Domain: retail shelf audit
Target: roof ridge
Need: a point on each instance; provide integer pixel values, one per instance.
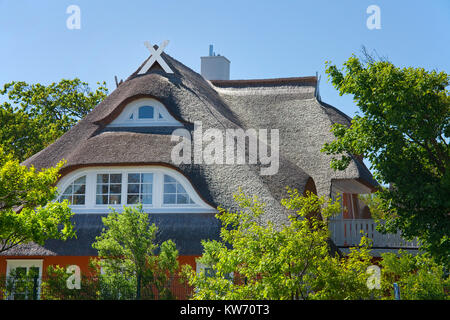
(307, 80)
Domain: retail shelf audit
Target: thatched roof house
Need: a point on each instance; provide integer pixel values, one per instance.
(105, 143)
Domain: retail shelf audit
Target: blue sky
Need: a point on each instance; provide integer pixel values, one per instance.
(263, 39)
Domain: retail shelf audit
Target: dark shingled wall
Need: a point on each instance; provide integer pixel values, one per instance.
(186, 230)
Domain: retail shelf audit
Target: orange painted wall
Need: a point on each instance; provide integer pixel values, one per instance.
(81, 261)
(180, 290)
(63, 261)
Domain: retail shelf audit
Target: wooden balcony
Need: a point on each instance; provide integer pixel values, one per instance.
(347, 233)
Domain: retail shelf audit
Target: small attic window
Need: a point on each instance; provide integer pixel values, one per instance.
(146, 112)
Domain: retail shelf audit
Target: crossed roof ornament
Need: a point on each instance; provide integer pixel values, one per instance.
(156, 57)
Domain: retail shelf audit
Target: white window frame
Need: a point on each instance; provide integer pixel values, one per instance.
(157, 206)
(140, 183)
(176, 194)
(123, 120)
(109, 185)
(72, 194)
(12, 264)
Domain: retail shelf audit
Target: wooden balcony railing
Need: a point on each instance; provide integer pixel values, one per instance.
(347, 233)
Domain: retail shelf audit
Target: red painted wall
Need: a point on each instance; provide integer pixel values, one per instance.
(81, 261)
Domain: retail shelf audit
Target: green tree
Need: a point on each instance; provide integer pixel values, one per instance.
(54, 286)
(403, 129)
(257, 260)
(34, 115)
(128, 257)
(27, 210)
(375, 204)
(419, 277)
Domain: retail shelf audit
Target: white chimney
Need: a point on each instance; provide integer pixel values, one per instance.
(215, 67)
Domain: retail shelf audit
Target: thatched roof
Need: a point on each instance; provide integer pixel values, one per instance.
(290, 105)
(286, 104)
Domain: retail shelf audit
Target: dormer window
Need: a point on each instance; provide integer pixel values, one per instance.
(159, 189)
(145, 112)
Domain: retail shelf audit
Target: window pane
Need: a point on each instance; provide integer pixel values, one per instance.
(133, 199)
(146, 112)
(68, 190)
(169, 198)
(147, 188)
(170, 188)
(114, 199)
(182, 198)
(34, 271)
(116, 178)
(103, 178)
(180, 188)
(81, 180)
(79, 189)
(102, 199)
(20, 271)
(169, 178)
(133, 188)
(147, 177)
(133, 178)
(147, 199)
(102, 189)
(115, 188)
(78, 200)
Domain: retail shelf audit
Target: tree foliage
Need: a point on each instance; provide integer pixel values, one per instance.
(403, 129)
(129, 260)
(54, 286)
(21, 285)
(258, 260)
(419, 277)
(34, 115)
(28, 212)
